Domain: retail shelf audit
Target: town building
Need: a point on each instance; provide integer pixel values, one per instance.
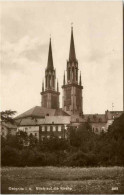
(49, 119)
(7, 128)
(44, 122)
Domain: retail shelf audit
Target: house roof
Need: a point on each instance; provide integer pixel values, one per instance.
(31, 121)
(113, 114)
(77, 119)
(60, 112)
(95, 118)
(41, 112)
(47, 120)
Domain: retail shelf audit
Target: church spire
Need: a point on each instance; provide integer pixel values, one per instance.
(72, 55)
(50, 58)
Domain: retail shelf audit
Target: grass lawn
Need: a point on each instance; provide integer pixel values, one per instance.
(62, 180)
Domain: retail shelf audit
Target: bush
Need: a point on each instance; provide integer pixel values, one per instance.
(76, 159)
(9, 156)
(83, 149)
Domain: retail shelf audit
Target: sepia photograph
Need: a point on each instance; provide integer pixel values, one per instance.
(62, 109)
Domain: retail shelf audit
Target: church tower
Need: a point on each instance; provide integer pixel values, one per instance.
(72, 86)
(50, 94)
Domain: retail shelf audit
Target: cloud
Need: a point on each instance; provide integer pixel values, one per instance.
(98, 41)
(36, 53)
(19, 55)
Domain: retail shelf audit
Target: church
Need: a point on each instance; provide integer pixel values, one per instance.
(49, 119)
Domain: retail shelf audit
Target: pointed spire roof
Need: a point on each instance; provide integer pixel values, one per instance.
(72, 55)
(50, 58)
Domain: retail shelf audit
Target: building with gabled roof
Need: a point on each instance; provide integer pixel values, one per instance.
(41, 112)
(49, 119)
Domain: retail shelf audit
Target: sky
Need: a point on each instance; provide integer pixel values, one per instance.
(26, 28)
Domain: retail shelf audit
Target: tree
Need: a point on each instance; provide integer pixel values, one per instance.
(82, 137)
(116, 130)
(7, 116)
(53, 144)
(110, 146)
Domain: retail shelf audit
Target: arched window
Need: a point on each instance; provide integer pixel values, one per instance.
(53, 85)
(76, 74)
(46, 81)
(50, 81)
(72, 73)
(69, 74)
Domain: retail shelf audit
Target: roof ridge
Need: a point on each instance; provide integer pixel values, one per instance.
(25, 112)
